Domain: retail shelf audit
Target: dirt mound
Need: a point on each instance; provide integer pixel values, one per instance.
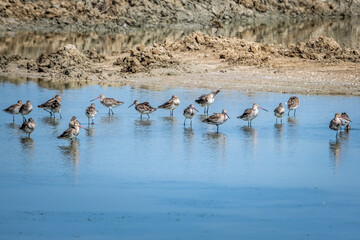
(145, 58)
(238, 51)
(94, 56)
(322, 49)
(5, 60)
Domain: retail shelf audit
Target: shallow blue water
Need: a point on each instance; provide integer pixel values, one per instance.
(154, 179)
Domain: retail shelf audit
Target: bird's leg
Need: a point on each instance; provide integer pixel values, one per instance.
(92, 121)
(276, 120)
(294, 112)
(109, 111)
(289, 112)
(140, 115)
(204, 110)
(60, 115)
(217, 128)
(281, 120)
(148, 115)
(112, 111)
(13, 118)
(88, 121)
(184, 121)
(190, 123)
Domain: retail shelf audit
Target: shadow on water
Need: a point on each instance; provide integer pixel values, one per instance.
(170, 120)
(91, 130)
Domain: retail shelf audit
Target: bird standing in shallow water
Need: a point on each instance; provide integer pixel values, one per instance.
(206, 100)
(49, 104)
(173, 103)
(26, 109)
(14, 109)
(55, 107)
(251, 113)
(217, 119)
(345, 121)
(293, 103)
(91, 113)
(28, 126)
(72, 122)
(110, 103)
(189, 112)
(279, 112)
(143, 108)
(335, 123)
(72, 132)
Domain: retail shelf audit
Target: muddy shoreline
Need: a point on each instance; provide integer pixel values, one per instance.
(319, 66)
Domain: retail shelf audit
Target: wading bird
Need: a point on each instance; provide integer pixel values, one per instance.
(173, 103)
(206, 100)
(189, 113)
(251, 113)
(217, 119)
(14, 109)
(110, 103)
(143, 108)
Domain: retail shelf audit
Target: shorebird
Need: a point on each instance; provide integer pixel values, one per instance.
(55, 107)
(71, 132)
(72, 122)
(91, 112)
(26, 109)
(345, 121)
(47, 105)
(217, 119)
(293, 103)
(173, 103)
(251, 113)
(28, 126)
(279, 112)
(335, 123)
(110, 103)
(206, 99)
(143, 108)
(14, 109)
(189, 112)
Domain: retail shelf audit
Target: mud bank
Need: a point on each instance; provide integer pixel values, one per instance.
(114, 15)
(318, 66)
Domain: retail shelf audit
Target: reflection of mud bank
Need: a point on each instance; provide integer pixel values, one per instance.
(319, 65)
(109, 15)
(31, 44)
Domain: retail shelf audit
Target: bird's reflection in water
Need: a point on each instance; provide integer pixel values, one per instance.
(203, 116)
(13, 125)
(250, 134)
(109, 119)
(91, 130)
(278, 133)
(27, 144)
(71, 152)
(335, 147)
(218, 142)
(51, 121)
(170, 120)
(143, 122)
(293, 121)
(188, 134)
(279, 127)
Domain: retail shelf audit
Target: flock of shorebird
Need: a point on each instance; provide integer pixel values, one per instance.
(53, 106)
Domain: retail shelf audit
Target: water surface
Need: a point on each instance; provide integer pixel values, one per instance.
(154, 178)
